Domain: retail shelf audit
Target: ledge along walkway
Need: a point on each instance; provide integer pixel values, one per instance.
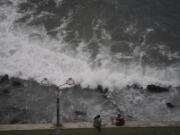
(74, 125)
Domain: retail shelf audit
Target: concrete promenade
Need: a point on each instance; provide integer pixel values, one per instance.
(71, 125)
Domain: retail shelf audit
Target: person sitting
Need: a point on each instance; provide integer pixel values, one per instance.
(120, 120)
(97, 122)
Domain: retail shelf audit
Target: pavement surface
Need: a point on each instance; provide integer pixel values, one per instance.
(71, 125)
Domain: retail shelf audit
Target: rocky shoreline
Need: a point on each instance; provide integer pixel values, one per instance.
(27, 101)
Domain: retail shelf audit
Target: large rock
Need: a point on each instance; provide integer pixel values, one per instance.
(5, 91)
(154, 88)
(4, 79)
(101, 89)
(170, 105)
(16, 83)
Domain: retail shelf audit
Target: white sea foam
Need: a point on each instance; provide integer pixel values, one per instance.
(28, 52)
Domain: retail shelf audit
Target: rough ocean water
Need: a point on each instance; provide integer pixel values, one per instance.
(117, 46)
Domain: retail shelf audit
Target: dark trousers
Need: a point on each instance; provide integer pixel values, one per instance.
(98, 128)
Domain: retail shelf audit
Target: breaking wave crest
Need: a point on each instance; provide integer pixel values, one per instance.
(28, 51)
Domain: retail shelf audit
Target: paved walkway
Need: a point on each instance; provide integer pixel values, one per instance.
(85, 125)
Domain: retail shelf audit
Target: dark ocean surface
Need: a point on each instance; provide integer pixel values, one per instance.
(121, 46)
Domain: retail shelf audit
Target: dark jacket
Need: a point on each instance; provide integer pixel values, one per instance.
(97, 122)
(120, 121)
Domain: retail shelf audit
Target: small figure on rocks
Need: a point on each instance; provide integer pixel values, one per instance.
(97, 122)
(45, 82)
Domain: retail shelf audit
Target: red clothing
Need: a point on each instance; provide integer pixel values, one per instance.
(120, 121)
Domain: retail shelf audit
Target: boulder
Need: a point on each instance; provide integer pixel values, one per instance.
(154, 88)
(106, 90)
(6, 91)
(101, 89)
(4, 79)
(170, 105)
(80, 113)
(15, 121)
(16, 83)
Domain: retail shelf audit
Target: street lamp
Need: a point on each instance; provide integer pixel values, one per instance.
(70, 81)
(46, 82)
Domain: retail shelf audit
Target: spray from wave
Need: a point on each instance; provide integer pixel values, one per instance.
(28, 51)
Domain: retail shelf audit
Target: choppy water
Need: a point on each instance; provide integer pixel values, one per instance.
(113, 43)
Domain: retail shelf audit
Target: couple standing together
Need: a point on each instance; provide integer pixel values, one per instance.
(119, 121)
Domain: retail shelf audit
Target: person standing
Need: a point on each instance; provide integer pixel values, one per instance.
(97, 122)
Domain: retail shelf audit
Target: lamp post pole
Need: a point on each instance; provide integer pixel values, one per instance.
(58, 107)
(70, 81)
